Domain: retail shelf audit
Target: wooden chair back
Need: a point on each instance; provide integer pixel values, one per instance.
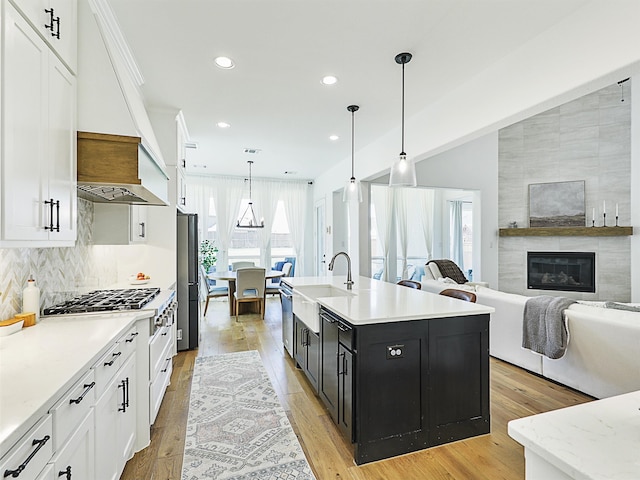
(410, 284)
(459, 294)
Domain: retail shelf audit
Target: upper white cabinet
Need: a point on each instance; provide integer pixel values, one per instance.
(38, 187)
(56, 22)
(119, 224)
(181, 182)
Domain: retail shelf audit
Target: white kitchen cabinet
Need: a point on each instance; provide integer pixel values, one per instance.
(76, 457)
(119, 224)
(115, 410)
(56, 22)
(181, 165)
(38, 186)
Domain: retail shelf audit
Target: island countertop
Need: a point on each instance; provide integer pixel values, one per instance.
(595, 440)
(374, 301)
(38, 363)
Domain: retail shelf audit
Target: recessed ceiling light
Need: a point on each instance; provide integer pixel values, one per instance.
(329, 80)
(224, 62)
(333, 138)
(223, 125)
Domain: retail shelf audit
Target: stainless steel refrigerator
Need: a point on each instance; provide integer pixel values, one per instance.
(187, 289)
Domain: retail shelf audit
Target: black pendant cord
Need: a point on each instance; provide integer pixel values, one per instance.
(353, 113)
(250, 197)
(402, 152)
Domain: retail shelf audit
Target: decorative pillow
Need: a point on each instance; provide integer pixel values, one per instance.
(622, 306)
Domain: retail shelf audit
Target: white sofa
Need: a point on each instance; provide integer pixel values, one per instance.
(603, 354)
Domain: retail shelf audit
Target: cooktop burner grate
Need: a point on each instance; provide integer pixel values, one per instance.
(105, 301)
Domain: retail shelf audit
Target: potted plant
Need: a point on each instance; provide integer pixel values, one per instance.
(208, 254)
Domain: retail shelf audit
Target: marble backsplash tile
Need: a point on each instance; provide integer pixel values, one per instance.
(60, 273)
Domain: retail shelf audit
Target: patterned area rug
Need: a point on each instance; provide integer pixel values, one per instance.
(237, 428)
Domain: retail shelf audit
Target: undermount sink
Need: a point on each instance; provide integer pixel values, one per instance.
(322, 291)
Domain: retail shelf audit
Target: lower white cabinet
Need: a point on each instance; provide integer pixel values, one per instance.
(75, 460)
(160, 367)
(30, 455)
(115, 421)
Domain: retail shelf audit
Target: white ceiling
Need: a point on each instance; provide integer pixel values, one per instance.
(273, 98)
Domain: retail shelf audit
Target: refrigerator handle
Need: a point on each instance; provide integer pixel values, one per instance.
(192, 283)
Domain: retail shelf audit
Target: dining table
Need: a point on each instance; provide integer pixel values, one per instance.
(230, 276)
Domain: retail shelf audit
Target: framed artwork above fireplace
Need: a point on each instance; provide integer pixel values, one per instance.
(557, 204)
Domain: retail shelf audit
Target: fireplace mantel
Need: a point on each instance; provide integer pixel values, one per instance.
(566, 232)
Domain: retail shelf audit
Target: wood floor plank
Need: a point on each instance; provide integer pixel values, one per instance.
(515, 393)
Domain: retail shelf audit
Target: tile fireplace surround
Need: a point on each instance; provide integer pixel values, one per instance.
(586, 139)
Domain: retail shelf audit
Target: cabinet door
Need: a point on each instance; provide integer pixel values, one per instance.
(127, 415)
(63, 38)
(76, 458)
(24, 125)
(313, 358)
(329, 374)
(138, 227)
(60, 155)
(181, 201)
(345, 388)
(300, 343)
(106, 432)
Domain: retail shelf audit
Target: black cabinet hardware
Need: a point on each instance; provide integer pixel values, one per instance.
(87, 386)
(16, 473)
(183, 200)
(66, 472)
(123, 386)
(51, 204)
(115, 355)
(56, 34)
(133, 336)
(167, 367)
(50, 12)
(126, 389)
(142, 230)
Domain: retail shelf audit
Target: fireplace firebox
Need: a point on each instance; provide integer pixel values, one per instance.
(567, 271)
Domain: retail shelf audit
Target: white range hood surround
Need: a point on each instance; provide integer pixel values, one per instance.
(109, 98)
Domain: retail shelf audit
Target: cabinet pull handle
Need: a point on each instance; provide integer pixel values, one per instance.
(123, 386)
(56, 34)
(167, 367)
(184, 162)
(338, 355)
(81, 397)
(127, 390)
(183, 200)
(16, 473)
(342, 327)
(133, 335)
(115, 355)
(66, 472)
(142, 230)
(50, 12)
(51, 204)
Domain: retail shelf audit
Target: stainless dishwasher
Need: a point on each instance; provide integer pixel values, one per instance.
(286, 297)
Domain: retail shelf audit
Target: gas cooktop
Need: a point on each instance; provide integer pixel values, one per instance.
(105, 301)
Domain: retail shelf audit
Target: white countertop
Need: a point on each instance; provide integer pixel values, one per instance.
(592, 441)
(375, 301)
(39, 363)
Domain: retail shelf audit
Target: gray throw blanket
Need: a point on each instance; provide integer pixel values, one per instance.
(543, 327)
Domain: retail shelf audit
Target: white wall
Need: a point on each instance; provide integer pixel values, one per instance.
(635, 185)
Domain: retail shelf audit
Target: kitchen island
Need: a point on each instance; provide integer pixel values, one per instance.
(398, 369)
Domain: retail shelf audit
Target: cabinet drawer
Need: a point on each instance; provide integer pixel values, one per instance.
(37, 442)
(105, 368)
(157, 347)
(48, 473)
(345, 335)
(127, 343)
(72, 408)
(158, 388)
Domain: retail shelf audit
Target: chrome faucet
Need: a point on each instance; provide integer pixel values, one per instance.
(349, 282)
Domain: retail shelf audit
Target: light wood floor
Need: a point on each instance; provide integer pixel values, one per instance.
(514, 394)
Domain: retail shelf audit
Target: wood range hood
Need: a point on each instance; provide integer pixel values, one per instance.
(119, 169)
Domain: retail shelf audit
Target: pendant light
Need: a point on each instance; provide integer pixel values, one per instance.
(353, 189)
(249, 216)
(403, 171)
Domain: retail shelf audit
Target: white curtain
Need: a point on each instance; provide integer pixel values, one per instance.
(265, 204)
(382, 198)
(295, 207)
(456, 233)
(426, 218)
(400, 204)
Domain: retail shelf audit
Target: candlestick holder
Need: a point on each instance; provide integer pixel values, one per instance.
(616, 220)
(604, 219)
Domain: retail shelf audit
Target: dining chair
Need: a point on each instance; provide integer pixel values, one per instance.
(250, 287)
(459, 294)
(410, 284)
(274, 286)
(212, 290)
(236, 265)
